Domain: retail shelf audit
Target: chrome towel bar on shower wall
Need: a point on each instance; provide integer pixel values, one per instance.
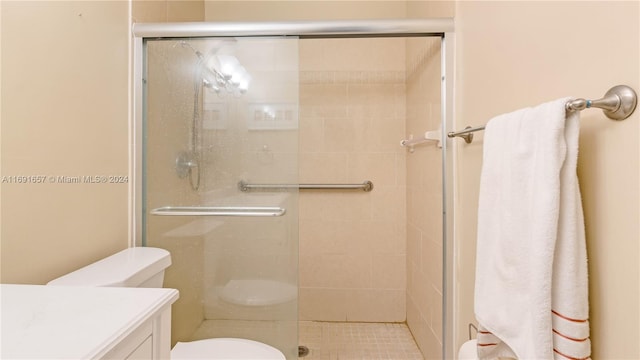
(365, 186)
(617, 104)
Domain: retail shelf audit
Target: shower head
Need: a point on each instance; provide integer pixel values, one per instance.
(220, 71)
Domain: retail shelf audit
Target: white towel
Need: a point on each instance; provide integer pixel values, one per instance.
(531, 255)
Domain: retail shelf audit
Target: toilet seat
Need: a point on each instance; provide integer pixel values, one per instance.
(225, 349)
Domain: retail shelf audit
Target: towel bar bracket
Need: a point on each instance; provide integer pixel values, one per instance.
(617, 104)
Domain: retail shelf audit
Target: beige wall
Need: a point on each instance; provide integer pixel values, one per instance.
(302, 10)
(167, 10)
(64, 113)
(515, 54)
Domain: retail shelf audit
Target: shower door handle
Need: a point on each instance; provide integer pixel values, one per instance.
(217, 211)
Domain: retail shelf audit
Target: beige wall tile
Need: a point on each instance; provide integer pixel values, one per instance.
(418, 327)
(376, 134)
(323, 304)
(324, 237)
(436, 312)
(432, 346)
(414, 245)
(324, 95)
(376, 305)
(381, 168)
(335, 206)
(418, 292)
(389, 272)
(431, 262)
(341, 132)
(312, 55)
(389, 203)
(311, 135)
(335, 271)
(376, 237)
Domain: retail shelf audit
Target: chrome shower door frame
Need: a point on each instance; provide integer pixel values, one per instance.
(439, 27)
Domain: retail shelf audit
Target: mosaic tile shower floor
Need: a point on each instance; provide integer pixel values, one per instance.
(357, 341)
(325, 340)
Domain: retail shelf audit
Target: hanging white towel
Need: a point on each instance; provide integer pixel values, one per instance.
(531, 296)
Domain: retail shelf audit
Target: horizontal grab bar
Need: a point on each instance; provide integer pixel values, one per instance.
(366, 186)
(217, 211)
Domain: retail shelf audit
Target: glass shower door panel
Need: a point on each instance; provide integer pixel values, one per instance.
(220, 111)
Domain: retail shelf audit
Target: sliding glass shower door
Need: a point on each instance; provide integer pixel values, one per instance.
(219, 112)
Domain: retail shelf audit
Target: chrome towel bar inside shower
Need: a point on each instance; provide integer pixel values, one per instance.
(617, 104)
(217, 211)
(365, 186)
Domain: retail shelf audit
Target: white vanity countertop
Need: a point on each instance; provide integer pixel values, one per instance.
(68, 322)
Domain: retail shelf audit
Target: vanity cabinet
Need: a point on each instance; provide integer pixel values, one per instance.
(152, 340)
(59, 322)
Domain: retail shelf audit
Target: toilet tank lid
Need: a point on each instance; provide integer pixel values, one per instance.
(127, 268)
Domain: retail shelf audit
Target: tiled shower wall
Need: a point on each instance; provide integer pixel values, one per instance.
(352, 118)
(424, 198)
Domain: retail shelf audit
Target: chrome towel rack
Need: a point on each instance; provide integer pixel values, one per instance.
(617, 104)
(365, 186)
(217, 211)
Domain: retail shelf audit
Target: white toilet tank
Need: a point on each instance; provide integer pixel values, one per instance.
(132, 267)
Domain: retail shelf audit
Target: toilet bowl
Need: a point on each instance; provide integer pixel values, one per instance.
(144, 267)
(225, 349)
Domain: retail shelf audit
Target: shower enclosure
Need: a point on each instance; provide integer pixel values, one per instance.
(220, 106)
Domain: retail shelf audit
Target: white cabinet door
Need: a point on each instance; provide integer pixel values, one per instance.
(144, 351)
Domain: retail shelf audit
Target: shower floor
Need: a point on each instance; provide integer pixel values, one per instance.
(361, 341)
(328, 340)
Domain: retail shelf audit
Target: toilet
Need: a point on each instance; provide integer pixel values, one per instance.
(144, 267)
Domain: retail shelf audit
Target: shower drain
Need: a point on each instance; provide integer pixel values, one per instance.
(303, 351)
